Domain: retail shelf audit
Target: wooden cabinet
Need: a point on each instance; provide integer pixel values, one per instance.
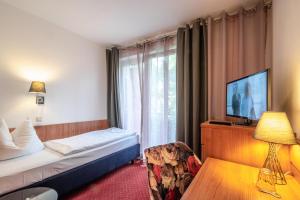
(236, 144)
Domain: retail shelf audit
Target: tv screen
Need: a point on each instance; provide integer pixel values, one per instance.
(248, 96)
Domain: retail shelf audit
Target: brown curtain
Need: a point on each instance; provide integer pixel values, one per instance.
(191, 83)
(238, 44)
(113, 100)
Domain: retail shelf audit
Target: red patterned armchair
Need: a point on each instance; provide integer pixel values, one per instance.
(171, 169)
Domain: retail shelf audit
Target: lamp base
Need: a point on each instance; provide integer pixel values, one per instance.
(274, 194)
(40, 100)
(272, 163)
(266, 182)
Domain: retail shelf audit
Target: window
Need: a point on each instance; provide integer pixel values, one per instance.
(148, 91)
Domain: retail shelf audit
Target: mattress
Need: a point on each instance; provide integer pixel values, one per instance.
(86, 141)
(24, 171)
(24, 163)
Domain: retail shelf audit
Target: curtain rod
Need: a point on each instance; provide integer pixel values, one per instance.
(150, 39)
(174, 32)
(232, 12)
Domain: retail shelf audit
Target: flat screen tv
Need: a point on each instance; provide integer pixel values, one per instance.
(248, 97)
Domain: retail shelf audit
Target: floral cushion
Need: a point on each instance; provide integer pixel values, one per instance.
(171, 169)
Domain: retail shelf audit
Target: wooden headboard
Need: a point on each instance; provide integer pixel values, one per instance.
(57, 131)
(236, 144)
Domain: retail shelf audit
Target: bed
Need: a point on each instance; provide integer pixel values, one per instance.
(70, 163)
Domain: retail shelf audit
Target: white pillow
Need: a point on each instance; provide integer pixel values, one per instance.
(5, 137)
(22, 141)
(25, 137)
(8, 149)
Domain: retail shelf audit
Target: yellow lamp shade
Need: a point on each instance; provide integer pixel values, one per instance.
(275, 127)
(37, 87)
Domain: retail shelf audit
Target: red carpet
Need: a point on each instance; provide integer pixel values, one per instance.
(127, 183)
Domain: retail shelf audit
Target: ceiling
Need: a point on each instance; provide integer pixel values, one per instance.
(119, 22)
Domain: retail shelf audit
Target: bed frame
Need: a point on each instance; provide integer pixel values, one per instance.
(73, 179)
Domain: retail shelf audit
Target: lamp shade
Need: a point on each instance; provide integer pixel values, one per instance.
(37, 87)
(275, 127)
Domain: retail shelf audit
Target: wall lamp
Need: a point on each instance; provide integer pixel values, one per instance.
(38, 88)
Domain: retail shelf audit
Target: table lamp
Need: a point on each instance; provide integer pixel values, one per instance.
(275, 128)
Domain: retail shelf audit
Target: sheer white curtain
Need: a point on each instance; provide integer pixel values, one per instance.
(148, 91)
(130, 90)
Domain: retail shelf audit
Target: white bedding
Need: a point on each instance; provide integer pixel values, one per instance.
(24, 163)
(26, 170)
(86, 141)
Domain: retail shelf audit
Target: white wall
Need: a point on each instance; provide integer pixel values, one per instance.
(286, 59)
(73, 68)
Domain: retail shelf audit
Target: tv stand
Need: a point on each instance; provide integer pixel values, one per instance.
(245, 122)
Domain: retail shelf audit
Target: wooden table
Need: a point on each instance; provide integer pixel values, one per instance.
(224, 180)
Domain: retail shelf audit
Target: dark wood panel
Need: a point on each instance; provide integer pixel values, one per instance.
(57, 131)
(236, 144)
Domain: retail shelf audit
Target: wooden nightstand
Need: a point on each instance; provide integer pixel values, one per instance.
(223, 180)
